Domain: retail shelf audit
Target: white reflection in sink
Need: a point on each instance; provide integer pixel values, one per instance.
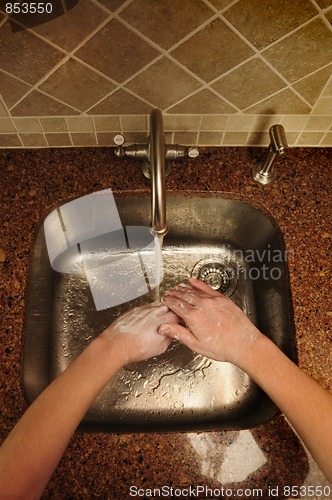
(120, 263)
(240, 458)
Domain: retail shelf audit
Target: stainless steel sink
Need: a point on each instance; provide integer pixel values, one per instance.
(233, 246)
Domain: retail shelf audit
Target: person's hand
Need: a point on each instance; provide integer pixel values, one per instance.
(217, 328)
(134, 335)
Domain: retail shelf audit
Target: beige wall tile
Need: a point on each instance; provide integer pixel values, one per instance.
(249, 83)
(185, 138)
(214, 122)
(123, 54)
(311, 86)
(294, 123)
(120, 103)
(220, 70)
(310, 138)
(171, 19)
(264, 122)
(265, 22)
(234, 138)
(152, 82)
(3, 110)
(284, 102)
(53, 124)
(316, 123)
(190, 122)
(327, 140)
(169, 122)
(25, 56)
(68, 30)
(207, 52)
(240, 123)
(77, 85)
(107, 123)
(105, 138)
(12, 89)
(33, 140)
(81, 139)
(58, 140)
(203, 102)
(206, 138)
(304, 51)
(134, 122)
(80, 124)
(10, 141)
(258, 139)
(323, 106)
(27, 125)
(6, 126)
(39, 104)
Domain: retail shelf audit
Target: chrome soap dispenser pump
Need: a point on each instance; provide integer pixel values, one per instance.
(266, 173)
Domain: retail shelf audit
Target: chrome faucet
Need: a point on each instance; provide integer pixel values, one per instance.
(266, 173)
(154, 155)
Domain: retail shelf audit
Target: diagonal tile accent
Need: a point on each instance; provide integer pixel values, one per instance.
(311, 86)
(11, 89)
(171, 19)
(112, 5)
(223, 69)
(77, 85)
(117, 52)
(207, 52)
(265, 21)
(25, 56)
(324, 3)
(121, 102)
(68, 30)
(203, 102)
(221, 4)
(249, 83)
(303, 52)
(39, 104)
(285, 102)
(163, 84)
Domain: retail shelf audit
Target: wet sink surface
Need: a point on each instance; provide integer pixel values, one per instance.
(71, 299)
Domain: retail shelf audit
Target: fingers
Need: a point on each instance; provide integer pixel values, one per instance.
(180, 333)
(203, 287)
(177, 305)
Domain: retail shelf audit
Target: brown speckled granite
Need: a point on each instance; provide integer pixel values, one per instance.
(102, 465)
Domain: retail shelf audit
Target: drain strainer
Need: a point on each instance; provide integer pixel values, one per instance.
(219, 273)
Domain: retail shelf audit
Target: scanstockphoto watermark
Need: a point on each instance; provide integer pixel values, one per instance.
(304, 491)
(195, 492)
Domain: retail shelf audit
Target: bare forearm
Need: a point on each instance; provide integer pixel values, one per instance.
(306, 404)
(32, 451)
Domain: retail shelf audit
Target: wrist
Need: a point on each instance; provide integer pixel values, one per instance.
(108, 353)
(247, 347)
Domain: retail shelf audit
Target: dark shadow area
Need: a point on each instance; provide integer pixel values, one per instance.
(28, 14)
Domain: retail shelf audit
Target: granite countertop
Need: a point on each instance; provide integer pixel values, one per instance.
(106, 465)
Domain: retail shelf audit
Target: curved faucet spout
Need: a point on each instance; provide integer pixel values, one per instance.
(157, 155)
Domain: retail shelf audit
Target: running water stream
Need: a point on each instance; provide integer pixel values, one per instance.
(159, 241)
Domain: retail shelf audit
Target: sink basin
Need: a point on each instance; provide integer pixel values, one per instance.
(71, 298)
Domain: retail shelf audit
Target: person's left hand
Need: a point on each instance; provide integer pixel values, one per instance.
(135, 335)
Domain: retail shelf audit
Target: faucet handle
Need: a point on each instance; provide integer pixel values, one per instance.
(193, 152)
(174, 151)
(119, 139)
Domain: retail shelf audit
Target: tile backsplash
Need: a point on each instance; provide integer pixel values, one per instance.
(222, 71)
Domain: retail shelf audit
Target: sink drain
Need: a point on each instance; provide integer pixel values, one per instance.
(217, 272)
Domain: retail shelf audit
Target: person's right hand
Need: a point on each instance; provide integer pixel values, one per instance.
(217, 328)
(134, 335)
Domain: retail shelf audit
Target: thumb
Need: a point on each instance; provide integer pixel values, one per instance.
(178, 332)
